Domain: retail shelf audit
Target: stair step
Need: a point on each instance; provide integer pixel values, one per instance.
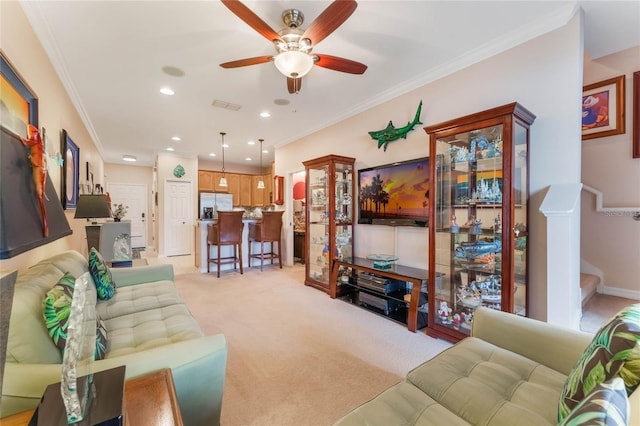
(588, 286)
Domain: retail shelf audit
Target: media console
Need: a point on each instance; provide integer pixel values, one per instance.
(399, 293)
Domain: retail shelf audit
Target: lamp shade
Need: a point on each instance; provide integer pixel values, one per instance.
(92, 207)
(293, 64)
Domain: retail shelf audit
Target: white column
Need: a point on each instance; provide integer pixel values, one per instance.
(561, 206)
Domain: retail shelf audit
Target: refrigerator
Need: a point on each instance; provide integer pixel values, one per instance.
(211, 202)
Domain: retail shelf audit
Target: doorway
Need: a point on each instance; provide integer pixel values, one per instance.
(134, 197)
(298, 187)
(178, 218)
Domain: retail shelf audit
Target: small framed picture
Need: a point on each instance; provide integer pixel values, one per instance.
(603, 108)
(70, 172)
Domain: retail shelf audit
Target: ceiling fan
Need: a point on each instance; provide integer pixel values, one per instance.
(294, 58)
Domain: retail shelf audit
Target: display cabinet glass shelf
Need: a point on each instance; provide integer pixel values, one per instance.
(330, 206)
(478, 237)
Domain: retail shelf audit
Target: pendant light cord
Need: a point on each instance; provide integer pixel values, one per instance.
(222, 146)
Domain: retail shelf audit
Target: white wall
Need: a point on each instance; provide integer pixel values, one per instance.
(544, 75)
(608, 166)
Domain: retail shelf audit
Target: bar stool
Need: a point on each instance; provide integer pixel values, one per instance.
(268, 230)
(225, 232)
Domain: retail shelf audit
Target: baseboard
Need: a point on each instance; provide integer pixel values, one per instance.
(619, 292)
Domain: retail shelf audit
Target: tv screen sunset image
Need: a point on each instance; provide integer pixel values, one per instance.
(395, 191)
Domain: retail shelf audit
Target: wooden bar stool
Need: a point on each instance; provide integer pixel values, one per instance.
(225, 232)
(268, 230)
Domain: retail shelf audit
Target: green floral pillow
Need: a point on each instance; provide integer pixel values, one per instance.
(606, 405)
(101, 275)
(56, 307)
(614, 351)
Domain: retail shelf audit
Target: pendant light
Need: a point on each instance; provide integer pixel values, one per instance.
(223, 179)
(261, 181)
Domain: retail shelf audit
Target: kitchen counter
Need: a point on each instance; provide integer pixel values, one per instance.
(201, 245)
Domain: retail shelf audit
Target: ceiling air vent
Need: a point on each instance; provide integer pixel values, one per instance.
(226, 105)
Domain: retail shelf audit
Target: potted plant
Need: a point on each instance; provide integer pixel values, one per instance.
(119, 212)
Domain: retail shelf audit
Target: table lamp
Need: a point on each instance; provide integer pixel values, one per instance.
(92, 207)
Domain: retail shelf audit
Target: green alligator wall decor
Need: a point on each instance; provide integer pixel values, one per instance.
(390, 133)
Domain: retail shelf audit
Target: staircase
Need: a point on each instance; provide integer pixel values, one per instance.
(588, 286)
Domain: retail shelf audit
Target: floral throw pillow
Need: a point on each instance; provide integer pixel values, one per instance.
(101, 275)
(606, 405)
(614, 351)
(56, 308)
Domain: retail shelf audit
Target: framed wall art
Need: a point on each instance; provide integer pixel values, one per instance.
(70, 172)
(603, 108)
(19, 103)
(636, 114)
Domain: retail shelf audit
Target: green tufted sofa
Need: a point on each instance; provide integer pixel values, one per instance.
(148, 328)
(510, 372)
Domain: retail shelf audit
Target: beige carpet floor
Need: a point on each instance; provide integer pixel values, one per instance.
(297, 357)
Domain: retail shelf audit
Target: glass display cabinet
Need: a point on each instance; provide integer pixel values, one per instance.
(330, 206)
(478, 226)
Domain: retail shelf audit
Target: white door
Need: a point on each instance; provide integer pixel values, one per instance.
(134, 197)
(178, 217)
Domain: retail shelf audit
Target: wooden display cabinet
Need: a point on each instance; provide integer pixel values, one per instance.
(330, 207)
(478, 225)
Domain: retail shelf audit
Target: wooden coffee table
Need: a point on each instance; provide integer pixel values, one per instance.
(149, 400)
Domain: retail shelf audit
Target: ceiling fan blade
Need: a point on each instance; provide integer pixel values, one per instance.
(329, 20)
(340, 64)
(294, 85)
(247, 61)
(251, 19)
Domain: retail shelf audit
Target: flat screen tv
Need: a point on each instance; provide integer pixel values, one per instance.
(394, 194)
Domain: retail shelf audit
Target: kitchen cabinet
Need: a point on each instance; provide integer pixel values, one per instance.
(205, 180)
(233, 180)
(245, 190)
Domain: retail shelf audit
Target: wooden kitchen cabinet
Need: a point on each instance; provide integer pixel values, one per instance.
(205, 180)
(245, 190)
(233, 180)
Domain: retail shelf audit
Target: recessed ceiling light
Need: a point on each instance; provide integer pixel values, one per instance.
(265, 114)
(173, 71)
(265, 151)
(129, 158)
(167, 91)
(176, 138)
(251, 143)
(225, 145)
(248, 158)
(170, 149)
(213, 154)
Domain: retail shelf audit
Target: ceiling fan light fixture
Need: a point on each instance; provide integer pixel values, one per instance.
(293, 64)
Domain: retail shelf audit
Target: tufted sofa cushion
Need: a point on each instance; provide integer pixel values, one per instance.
(485, 384)
(402, 404)
(148, 329)
(138, 298)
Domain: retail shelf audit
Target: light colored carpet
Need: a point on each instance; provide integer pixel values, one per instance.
(297, 357)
